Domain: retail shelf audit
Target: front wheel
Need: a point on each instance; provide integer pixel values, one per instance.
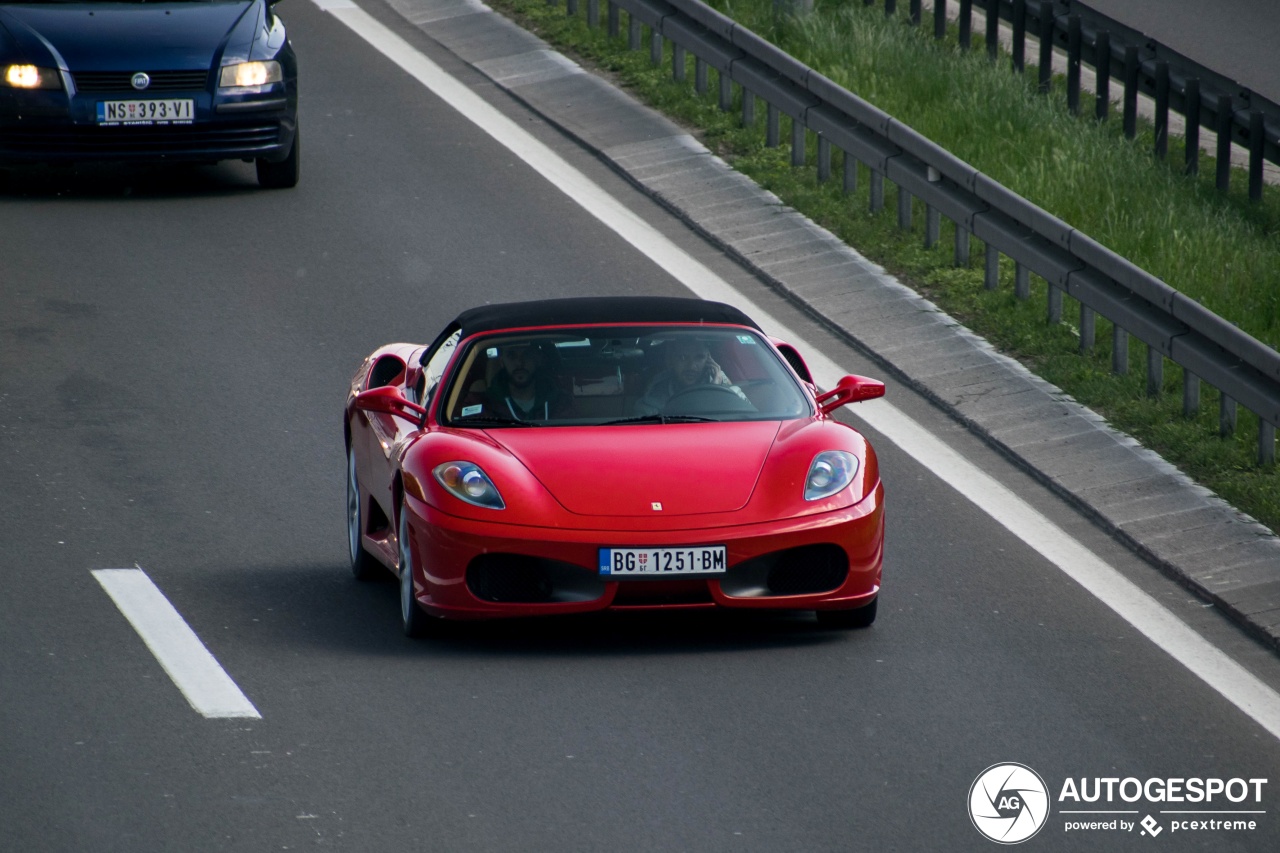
(363, 565)
(415, 621)
(859, 617)
(284, 174)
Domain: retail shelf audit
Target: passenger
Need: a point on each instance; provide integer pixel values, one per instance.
(524, 388)
(687, 363)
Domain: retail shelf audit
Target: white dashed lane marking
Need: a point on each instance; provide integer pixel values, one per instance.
(193, 669)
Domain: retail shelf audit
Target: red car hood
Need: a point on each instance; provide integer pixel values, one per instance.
(642, 470)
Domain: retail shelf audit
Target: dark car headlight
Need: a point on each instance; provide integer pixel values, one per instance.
(244, 74)
(32, 77)
(830, 471)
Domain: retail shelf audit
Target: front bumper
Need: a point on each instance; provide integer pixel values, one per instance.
(50, 127)
(466, 569)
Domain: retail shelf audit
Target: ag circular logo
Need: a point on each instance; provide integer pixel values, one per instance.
(141, 80)
(1008, 803)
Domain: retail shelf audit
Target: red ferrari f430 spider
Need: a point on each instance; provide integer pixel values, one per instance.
(574, 455)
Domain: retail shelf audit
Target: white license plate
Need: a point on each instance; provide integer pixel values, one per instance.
(162, 111)
(662, 562)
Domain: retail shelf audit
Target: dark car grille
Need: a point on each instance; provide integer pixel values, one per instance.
(809, 569)
(509, 578)
(121, 81)
(154, 141)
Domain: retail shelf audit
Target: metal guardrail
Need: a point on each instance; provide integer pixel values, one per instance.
(1138, 304)
(1140, 64)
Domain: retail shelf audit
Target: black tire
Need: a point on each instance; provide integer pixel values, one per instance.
(414, 619)
(363, 564)
(284, 174)
(859, 617)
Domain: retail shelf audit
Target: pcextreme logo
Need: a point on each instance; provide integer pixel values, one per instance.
(1009, 803)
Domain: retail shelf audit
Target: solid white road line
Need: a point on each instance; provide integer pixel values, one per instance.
(1147, 615)
(196, 673)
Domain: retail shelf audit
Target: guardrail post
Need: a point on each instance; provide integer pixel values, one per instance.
(614, 19)
(939, 19)
(824, 159)
(1075, 45)
(914, 6)
(1055, 304)
(748, 107)
(1226, 119)
(1155, 371)
(962, 246)
(1226, 416)
(1019, 35)
(1266, 442)
(700, 79)
(633, 32)
(966, 24)
(593, 12)
(932, 226)
(772, 128)
(1119, 350)
(904, 208)
(1131, 71)
(993, 30)
(1191, 108)
(1088, 328)
(1257, 147)
(1190, 394)
(797, 142)
(1046, 47)
(726, 91)
(1162, 109)
(890, 7)
(570, 8)
(877, 191)
(991, 268)
(1102, 64)
(677, 63)
(850, 173)
(1021, 281)
(655, 47)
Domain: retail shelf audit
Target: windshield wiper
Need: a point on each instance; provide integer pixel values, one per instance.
(493, 419)
(662, 419)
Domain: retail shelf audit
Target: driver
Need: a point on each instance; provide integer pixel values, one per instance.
(524, 389)
(687, 363)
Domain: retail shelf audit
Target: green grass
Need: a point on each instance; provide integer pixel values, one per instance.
(1220, 249)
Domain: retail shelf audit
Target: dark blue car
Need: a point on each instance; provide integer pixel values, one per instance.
(193, 81)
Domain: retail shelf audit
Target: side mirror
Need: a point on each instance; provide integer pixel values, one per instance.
(850, 389)
(388, 400)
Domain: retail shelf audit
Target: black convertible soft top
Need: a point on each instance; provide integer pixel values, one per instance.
(585, 310)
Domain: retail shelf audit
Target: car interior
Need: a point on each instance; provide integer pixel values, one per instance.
(604, 376)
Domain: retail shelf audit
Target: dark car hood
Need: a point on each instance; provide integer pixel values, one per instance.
(130, 36)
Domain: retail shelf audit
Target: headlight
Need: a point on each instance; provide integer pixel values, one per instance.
(250, 74)
(831, 471)
(32, 77)
(465, 481)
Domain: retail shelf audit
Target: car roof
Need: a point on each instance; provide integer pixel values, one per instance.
(598, 309)
(589, 310)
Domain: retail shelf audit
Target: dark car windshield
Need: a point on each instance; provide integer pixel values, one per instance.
(620, 376)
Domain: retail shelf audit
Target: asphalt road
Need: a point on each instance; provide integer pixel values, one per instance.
(174, 351)
(1233, 37)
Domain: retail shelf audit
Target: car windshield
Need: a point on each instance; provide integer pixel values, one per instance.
(621, 376)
